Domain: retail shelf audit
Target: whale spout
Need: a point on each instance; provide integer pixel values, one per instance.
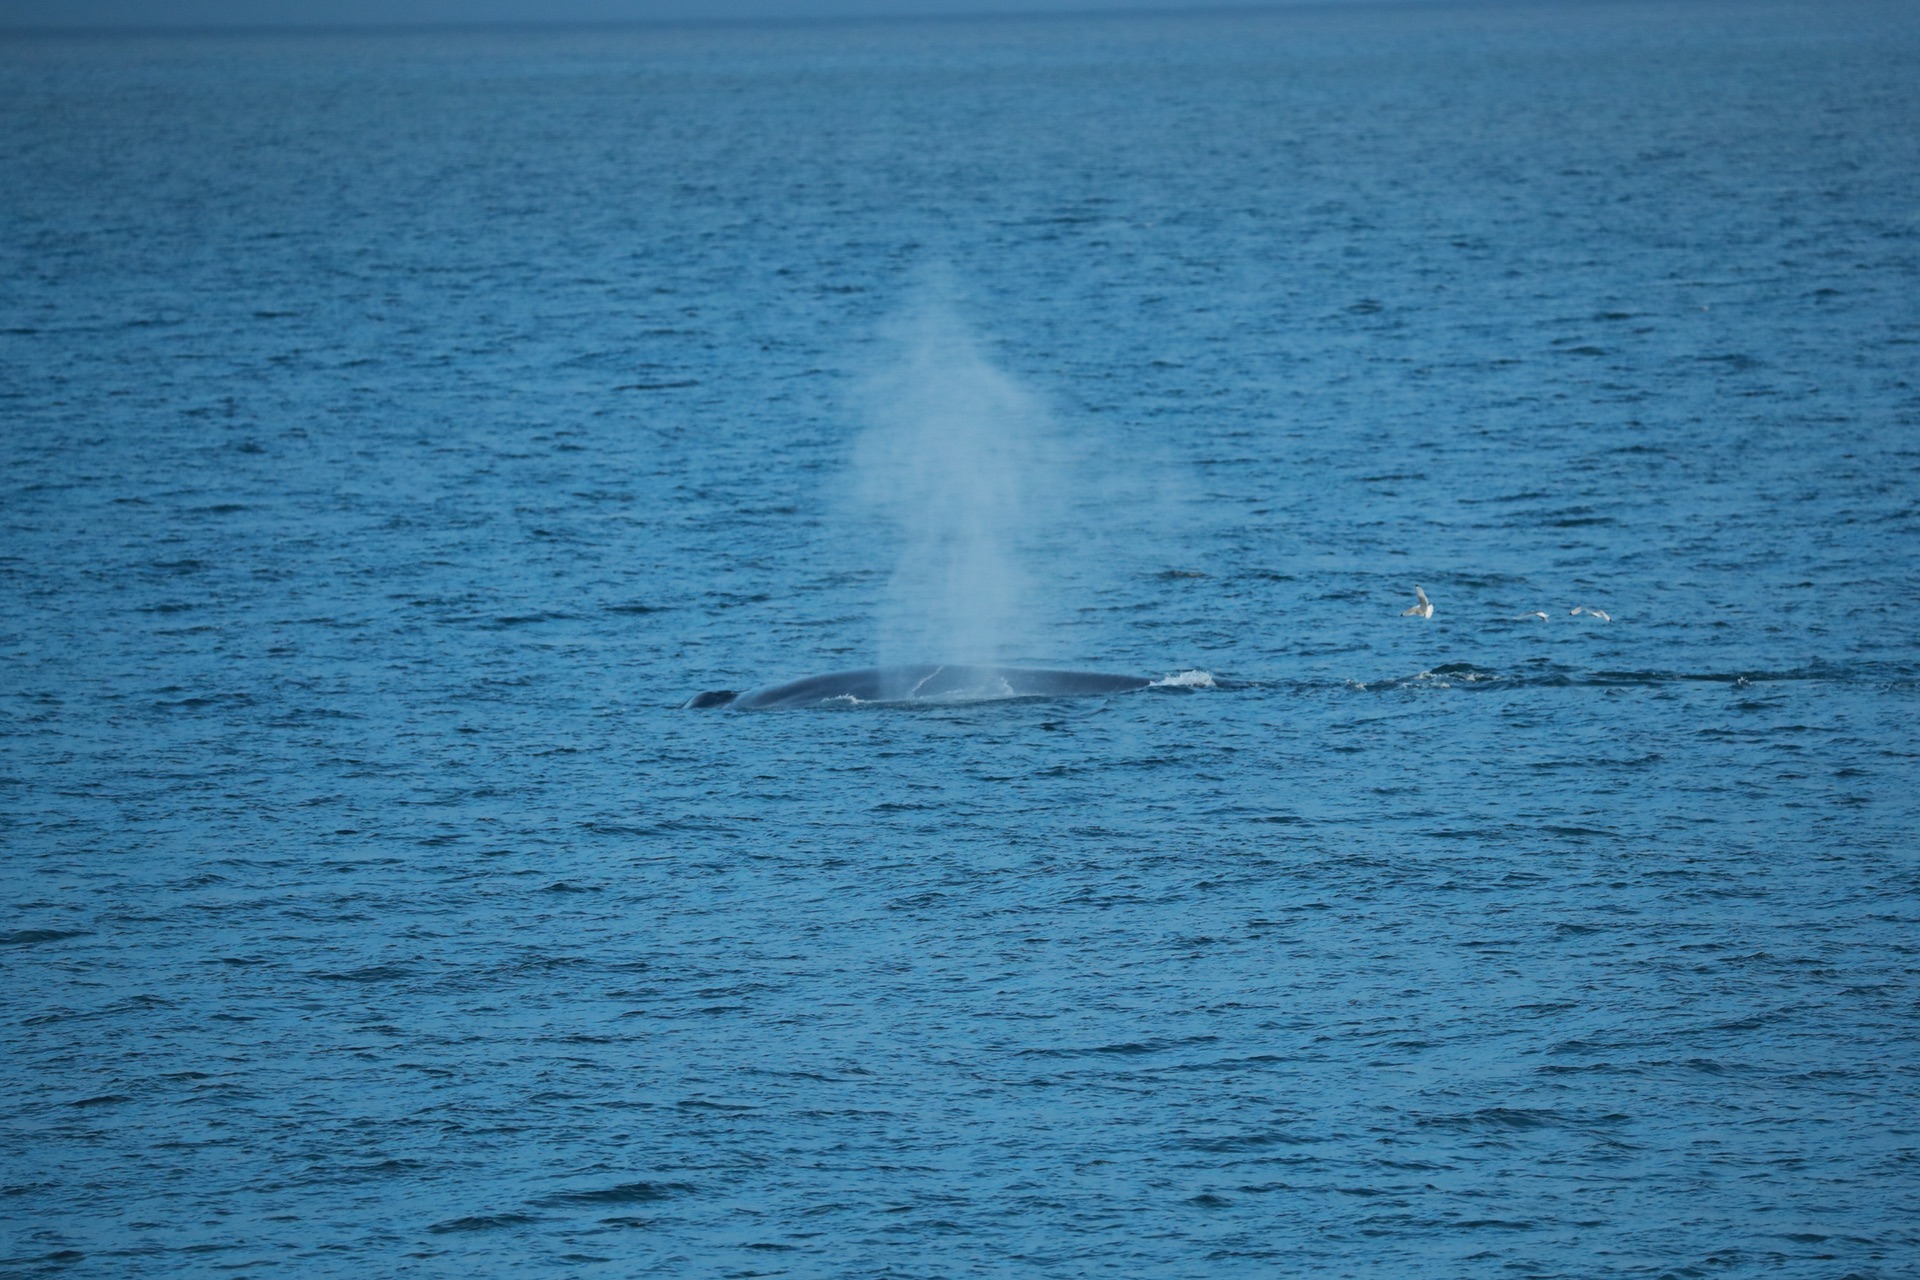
(921, 684)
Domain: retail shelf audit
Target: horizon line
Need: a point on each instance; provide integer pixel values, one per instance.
(1014, 11)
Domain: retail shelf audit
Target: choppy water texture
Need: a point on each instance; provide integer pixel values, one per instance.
(399, 428)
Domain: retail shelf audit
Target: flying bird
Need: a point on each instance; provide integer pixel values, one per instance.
(1579, 609)
(1422, 610)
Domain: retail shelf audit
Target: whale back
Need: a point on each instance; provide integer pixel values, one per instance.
(925, 683)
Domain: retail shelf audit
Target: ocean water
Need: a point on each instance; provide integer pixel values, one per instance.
(398, 428)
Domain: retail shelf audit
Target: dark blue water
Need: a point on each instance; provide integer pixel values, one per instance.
(397, 429)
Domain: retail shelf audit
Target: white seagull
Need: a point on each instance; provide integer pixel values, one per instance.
(1579, 609)
(1422, 610)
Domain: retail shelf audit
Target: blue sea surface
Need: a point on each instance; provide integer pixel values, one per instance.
(397, 429)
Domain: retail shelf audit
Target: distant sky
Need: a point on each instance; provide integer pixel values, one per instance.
(17, 14)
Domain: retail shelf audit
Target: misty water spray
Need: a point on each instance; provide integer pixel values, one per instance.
(954, 460)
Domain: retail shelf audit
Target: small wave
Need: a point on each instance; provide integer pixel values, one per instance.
(1186, 680)
(371, 973)
(482, 1222)
(1444, 676)
(1449, 674)
(33, 937)
(625, 1193)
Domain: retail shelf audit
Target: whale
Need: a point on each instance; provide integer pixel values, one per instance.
(920, 685)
